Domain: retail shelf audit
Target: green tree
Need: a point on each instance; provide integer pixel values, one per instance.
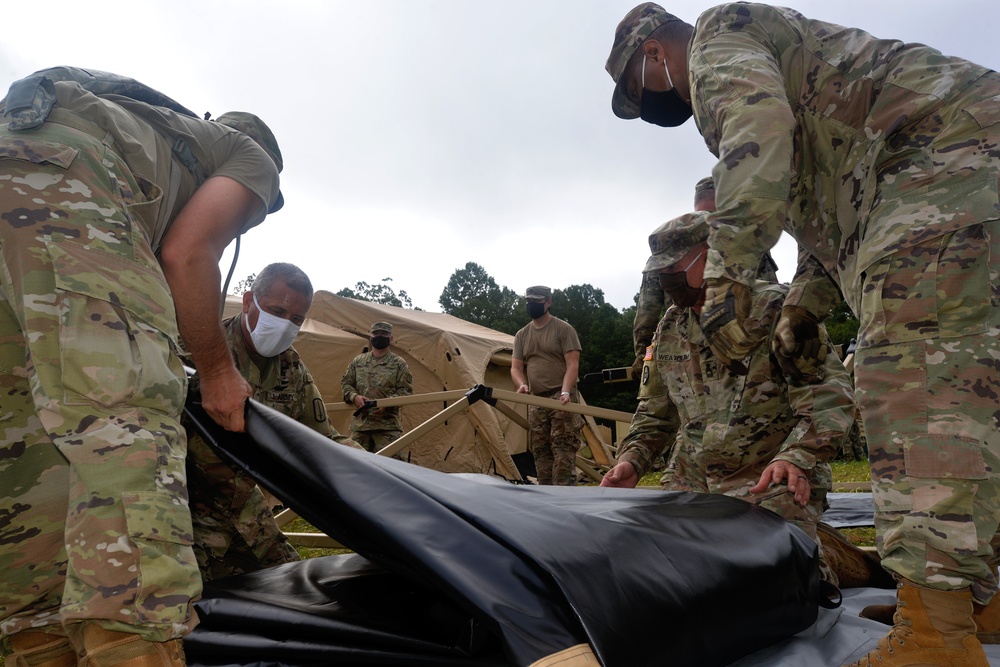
(380, 292)
(474, 296)
(842, 325)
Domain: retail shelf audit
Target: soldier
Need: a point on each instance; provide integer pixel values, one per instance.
(652, 302)
(546, 363)
(879, 158)
(113, 216)
(760, 437)
(234, 529)
(371, 376)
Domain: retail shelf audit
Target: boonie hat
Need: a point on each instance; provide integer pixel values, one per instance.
(256, 129)
(633, 30)
(537, 293)
(381, 326)
(673, 239)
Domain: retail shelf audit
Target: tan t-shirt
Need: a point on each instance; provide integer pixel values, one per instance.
(543, 352)
(143, 136)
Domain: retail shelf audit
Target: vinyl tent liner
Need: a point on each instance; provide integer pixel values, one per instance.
(464, 569)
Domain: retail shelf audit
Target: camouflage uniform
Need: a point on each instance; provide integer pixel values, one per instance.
(732, 427)
(377, 377)
(94, 519)
(234, 529)
(880, 159)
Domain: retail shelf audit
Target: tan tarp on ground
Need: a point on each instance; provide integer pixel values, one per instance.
(444, 353)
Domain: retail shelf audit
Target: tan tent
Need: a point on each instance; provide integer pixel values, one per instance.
(444, 353)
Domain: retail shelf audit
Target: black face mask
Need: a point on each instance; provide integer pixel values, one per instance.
(380, 342)
(665, 108)
(677, 288)
(535, 310)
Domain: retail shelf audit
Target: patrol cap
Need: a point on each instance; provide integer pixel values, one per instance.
(384, 327)
(538, 293)
(705, 184)
(256, 129)
(673, 239)
(633, 30)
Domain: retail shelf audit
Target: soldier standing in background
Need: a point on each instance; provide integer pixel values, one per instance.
(372, 375)
(546, 363)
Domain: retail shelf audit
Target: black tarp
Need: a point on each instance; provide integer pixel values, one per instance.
(468, 570)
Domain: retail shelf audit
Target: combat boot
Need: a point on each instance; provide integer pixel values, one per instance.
(33, 648)
(854, 567)
(987, 618)
(930, 627)
(106, 648)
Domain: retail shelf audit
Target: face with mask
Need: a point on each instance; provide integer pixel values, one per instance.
(272, 320)
(677, 285)
(536, 309)
(380, 341)
(665, 108)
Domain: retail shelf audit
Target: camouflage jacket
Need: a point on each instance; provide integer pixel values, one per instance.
(734, 418)
(802, 114)
(375, 377)
(283, 383)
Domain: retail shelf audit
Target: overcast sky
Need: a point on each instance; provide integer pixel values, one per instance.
(419, 135)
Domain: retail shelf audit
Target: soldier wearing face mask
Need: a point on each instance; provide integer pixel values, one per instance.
(234, 528)
(757, 436)
(546, 362)
(378, 373)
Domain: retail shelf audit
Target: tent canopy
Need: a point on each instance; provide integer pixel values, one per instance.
(443, 352)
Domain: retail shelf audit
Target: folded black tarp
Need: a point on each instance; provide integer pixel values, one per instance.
(467, 570)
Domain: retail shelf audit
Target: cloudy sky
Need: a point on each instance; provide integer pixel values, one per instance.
(419, 135)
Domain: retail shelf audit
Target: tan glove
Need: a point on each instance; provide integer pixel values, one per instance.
(798, 347)
(726, 308)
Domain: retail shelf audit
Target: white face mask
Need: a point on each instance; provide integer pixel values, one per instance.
(272, 335)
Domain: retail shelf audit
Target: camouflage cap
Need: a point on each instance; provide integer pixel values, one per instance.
(538, 293)
(630, 34)
(705, 184)
(256, 129)
(673, 239)
(384, 327)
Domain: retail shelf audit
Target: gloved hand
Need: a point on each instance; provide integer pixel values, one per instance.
(726, 308)
(797, 345)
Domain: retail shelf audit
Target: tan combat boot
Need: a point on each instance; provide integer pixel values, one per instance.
(931, 628)
(987, 618)
(106, 648)
(33, 648)
(854, 567)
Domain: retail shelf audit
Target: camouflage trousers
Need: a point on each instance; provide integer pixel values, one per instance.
(374, 441)
(94, 519)
(234, 529)
(554, 436)
(686, 472)
(928, 386)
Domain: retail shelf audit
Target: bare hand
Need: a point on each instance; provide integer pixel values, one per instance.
(564, 398)
(522, 389)
(777, 472)
(359, 401)
(622, 476)
(224, 396)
